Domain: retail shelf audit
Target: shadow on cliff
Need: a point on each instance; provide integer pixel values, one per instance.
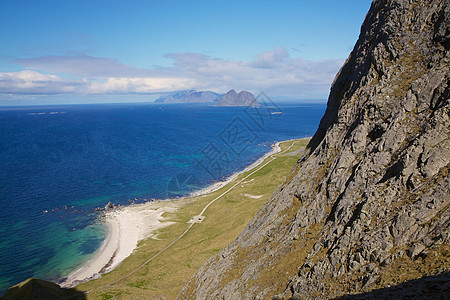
(37, 289)
(427, 287)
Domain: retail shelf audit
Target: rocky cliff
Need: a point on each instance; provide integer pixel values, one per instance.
(232, 98)
(367, 205)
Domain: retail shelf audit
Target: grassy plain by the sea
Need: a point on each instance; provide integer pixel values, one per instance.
(60, 163)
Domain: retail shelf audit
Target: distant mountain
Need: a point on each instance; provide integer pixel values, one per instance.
(189, 96)
(232, 98)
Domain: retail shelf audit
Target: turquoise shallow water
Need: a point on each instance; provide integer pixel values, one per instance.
(60, 163)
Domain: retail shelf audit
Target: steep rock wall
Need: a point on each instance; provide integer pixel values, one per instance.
(367, 205)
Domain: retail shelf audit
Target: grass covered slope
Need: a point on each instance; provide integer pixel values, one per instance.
(225, 218)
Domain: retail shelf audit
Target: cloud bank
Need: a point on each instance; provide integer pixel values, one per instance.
(273, 72)
(32, 82)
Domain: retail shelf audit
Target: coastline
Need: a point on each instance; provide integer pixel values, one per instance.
(218, 185)
(130, 224)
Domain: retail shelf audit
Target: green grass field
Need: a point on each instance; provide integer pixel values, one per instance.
(165, 275)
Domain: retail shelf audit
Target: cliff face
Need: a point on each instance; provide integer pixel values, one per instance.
(367, 205)
(232, 98)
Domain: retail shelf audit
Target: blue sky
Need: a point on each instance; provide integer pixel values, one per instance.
(71, 51)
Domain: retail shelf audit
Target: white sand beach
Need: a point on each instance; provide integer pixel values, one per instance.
(126, 227)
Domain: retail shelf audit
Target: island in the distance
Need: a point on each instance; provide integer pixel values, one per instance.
(190, 96)
(232, 98)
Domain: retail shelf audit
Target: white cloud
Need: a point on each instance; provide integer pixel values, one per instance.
(270, 59)
(273, 72)
(138, 85)
(32, 82)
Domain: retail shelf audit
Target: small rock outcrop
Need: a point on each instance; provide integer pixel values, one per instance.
(190, 96)
(366, 208)
(109, 206)
(232, 98)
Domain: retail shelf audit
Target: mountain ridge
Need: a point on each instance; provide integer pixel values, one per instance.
(189, 96)
(243, 98)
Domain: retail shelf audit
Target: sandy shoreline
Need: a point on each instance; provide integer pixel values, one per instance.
(126, 227)
(130, 224)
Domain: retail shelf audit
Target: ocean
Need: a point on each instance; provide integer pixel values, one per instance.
(59, 164)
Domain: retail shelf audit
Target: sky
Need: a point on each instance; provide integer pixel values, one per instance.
(102, 51)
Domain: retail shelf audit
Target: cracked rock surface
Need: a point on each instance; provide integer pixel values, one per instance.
(366, 208)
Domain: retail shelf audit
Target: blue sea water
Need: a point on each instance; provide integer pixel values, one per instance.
(59, 163)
